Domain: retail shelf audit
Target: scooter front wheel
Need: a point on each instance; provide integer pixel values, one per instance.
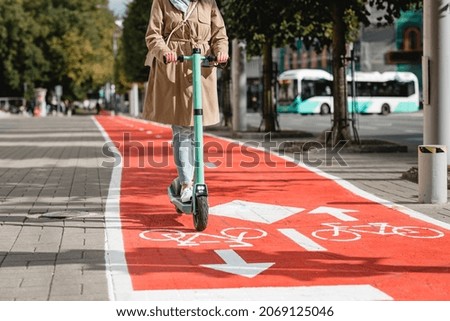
(201, 213)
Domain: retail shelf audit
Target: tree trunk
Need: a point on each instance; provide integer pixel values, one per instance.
(341, 124)
(239, 82)
(225, 96)
(269, 115)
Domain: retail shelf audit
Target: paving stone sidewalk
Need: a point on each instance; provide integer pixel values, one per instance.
(52, 198)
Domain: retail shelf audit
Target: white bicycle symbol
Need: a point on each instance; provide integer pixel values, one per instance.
(341, 233)
(233, 236)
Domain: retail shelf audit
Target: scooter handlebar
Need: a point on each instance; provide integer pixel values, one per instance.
(209, 58)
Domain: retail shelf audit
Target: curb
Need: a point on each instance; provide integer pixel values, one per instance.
(301, 141)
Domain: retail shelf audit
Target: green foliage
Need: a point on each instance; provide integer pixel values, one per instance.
(44, 43)
(48, 42)
(20, 57)
(281, 22)
(316, 22)
(133, 48)
(261, 22)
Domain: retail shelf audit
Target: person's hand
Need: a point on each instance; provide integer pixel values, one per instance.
(170, 57)
(222, 57)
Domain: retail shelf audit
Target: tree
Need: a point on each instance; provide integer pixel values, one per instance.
(264, 24)
(44, 43)
(133, 46)
(339, 21)
(76, 38)
(21, 59)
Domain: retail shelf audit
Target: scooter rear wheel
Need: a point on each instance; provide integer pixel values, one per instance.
(201, 213)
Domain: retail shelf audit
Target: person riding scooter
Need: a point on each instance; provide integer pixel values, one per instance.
(175, 28)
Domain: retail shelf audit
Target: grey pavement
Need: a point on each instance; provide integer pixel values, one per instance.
(52, 200)
(53, 191)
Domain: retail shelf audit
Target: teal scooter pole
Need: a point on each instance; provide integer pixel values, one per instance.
(199, 205)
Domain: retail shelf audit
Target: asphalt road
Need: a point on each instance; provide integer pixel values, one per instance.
(405, 129)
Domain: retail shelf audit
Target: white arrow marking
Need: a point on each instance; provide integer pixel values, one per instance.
(338, 213)
(234, 264)
(254, 212)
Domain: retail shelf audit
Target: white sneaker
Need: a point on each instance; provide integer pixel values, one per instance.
(186, 194)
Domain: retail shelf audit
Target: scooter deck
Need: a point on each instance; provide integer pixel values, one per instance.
(174, 198)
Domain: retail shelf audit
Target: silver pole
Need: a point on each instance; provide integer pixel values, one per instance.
(239, 85)
(134, 100)
(436, 73)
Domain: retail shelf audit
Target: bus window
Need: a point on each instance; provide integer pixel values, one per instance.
(385, 89)
(394, 89)
(287, 90)
(314, 88)
(406, 89)
(322, 88)
(307, 89)
(363, 88)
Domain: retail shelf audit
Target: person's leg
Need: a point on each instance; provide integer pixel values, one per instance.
(183, 152)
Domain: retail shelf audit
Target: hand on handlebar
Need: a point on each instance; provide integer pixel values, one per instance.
(170, 57)
(222, 57)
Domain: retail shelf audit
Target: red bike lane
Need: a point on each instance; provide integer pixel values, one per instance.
(272, 225)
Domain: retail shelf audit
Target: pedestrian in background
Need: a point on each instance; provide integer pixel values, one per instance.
(176, 27)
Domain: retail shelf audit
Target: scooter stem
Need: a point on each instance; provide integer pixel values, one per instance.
(198, 116)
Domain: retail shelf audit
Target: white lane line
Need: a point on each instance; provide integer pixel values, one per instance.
(117, 272)
(301, 240)
(363, 292)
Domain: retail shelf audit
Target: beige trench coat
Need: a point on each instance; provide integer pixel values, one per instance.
(168, 96)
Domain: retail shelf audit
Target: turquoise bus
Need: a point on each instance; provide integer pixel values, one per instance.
(305, 91)
(309, 91)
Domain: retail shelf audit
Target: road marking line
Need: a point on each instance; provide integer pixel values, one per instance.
(362, 292)
(117, 274)
(302, 240)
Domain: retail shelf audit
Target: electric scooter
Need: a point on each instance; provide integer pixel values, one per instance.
(199, 205)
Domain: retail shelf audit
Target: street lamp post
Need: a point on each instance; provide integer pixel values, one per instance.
(436, 73)
(433, 157)
(116, 36)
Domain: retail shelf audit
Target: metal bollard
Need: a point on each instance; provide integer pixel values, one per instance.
(433, 174)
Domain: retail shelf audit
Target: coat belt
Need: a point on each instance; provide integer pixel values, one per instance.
(194, 42)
